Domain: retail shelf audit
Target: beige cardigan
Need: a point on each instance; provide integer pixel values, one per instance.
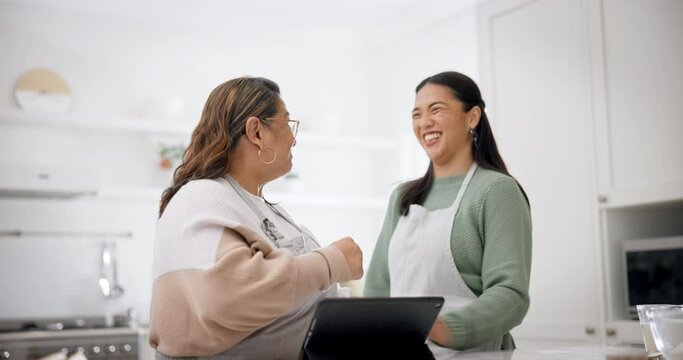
(218, 279)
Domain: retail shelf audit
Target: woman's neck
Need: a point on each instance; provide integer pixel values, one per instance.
(248, 183)
(456, 166)
(243, 167)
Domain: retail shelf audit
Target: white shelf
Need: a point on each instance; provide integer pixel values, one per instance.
(45, 193)
(70, 122)
(150, 127)
(130, 193)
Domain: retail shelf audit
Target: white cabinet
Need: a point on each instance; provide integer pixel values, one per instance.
(637, 82)
(536, 73)
(583, 101)
(640, 89)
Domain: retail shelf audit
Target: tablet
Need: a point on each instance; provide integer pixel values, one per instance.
(341, 327)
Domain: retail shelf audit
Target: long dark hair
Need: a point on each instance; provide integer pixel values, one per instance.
(221, 125)
(485, 151)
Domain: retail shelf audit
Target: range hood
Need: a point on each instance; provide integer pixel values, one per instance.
(46, 181)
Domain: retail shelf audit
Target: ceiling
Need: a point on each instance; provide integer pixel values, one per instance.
(364, 16)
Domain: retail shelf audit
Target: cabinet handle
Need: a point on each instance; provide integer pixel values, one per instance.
(602, 199)
(590, 330)
(611, 332)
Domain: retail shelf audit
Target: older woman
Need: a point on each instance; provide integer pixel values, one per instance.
(463, 230)
(235, 276)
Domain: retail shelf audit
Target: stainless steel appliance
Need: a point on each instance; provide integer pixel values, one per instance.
(34, 339)
(47, 319)
(653, 272)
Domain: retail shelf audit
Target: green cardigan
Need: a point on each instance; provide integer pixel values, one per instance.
(491, 246)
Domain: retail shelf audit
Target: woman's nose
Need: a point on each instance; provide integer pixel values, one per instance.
(425, 122)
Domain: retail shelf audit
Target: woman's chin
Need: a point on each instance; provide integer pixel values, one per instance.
(432, 154)
(287, 169)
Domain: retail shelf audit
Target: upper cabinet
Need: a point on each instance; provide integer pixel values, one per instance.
(638, 87)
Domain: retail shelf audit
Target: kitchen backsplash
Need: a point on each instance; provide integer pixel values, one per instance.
(53, 270)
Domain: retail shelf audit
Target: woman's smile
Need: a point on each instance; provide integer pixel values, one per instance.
(431, 138)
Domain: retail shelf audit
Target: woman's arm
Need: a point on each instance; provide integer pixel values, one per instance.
(203, 312)
(506, 223)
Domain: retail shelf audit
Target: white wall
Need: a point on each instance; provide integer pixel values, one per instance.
(112, 65)
(53, 276)
(398, 62)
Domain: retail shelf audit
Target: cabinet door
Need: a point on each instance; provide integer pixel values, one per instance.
(641, 152)
(536, 79)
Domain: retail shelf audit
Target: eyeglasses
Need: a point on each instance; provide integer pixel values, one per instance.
(293, 124)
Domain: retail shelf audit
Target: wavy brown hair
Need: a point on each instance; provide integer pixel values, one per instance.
(220, 128)
(484, 150)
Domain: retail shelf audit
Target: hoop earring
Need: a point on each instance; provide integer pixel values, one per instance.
(473, 135)
(267, 162)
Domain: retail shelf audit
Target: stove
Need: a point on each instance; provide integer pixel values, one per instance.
(34, 339)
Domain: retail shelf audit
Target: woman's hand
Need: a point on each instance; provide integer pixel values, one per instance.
(353, 254)
(440, 334)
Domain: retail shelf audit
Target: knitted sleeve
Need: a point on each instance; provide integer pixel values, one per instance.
(204, 312)
(506, 223)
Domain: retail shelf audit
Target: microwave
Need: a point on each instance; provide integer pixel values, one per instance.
(653, 270)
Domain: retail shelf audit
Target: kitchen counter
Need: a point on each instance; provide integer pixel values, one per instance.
(574, 353)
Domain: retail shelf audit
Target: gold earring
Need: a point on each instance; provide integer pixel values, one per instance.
(274, 155)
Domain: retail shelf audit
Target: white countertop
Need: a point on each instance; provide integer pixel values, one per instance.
(574, 353)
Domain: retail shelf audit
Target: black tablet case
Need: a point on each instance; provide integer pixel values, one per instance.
(358, 327)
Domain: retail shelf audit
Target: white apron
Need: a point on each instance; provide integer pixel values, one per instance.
(421, 262)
